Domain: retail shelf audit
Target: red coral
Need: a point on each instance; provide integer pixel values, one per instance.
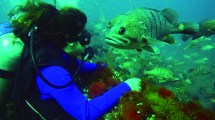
(189, 107)
(89, 78)
(205, 114)
(96, 89)
(201, 116)
(130, 112)
(110, 82)
(193, 105)
(165, 93)
(194, 110)
(103, 73)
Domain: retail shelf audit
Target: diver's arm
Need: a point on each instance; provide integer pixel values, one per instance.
(108, 100)
(72, 100)
(89, 66)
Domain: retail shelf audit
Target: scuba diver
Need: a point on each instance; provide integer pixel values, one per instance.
(46, 68)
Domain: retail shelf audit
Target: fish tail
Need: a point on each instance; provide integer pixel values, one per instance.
(186, 28)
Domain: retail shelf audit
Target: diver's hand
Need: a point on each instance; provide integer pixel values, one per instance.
(134, 84)
(10, 51)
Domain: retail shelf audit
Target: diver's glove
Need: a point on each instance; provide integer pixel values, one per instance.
(88, 53)
(134, 84)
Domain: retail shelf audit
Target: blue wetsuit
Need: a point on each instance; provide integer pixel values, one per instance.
(71, 98)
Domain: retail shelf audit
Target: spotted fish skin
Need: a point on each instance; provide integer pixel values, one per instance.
(154, 24)
(160, 72)
(142, 27)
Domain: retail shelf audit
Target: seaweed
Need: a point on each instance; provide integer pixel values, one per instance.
(159, 103)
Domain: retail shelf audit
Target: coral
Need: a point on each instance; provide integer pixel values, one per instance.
(130, 112)
(101, 74)
(194, 110)
(165, 108)
(96, 89)
(101, 86)
(110, 82)
(100, 81)
(165, 93)
(132, 107)
(159, 103)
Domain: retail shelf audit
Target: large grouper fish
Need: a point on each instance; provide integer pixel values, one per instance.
(141, 28)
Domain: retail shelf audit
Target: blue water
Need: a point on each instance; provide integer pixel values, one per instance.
(189, 10)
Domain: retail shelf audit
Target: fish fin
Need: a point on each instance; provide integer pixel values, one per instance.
(139, 50)
(148, 48)
(152, 49)
(168, 39)
(152, 41)
(170, 14)
(151, 9)
(185, 28)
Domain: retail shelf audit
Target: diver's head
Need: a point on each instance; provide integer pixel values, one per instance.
(58, 27)
(65, 28)
(77, 46)
(69, 24)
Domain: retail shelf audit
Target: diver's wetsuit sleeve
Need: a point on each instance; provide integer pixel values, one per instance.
(71, 98)
(87, 66)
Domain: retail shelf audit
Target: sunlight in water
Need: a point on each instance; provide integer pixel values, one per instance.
(63, 3)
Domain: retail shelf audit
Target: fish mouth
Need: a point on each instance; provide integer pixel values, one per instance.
(116, 42)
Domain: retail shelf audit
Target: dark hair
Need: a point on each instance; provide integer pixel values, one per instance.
(57, 26)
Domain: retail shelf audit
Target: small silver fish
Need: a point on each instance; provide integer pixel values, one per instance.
(141, 28)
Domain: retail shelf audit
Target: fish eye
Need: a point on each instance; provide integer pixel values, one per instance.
(122, 30)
